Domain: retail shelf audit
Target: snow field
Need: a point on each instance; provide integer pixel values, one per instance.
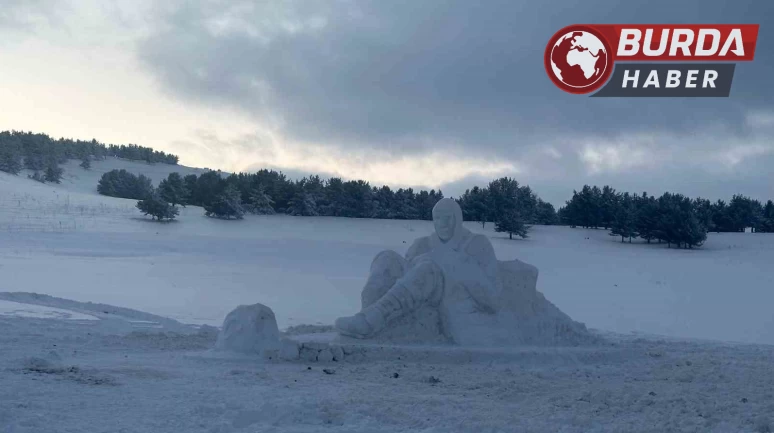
(133, 366)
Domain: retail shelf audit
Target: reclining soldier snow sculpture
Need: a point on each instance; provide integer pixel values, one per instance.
(454, 272)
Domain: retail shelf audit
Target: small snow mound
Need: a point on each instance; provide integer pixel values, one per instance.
(249, 329)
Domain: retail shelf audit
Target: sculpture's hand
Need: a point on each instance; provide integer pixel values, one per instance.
(484, 302)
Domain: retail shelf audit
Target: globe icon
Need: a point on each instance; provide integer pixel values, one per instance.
(579, 59)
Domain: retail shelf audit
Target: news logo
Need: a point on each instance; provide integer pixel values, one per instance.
(649, 60)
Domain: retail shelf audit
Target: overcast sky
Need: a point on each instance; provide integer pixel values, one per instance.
(409, 93)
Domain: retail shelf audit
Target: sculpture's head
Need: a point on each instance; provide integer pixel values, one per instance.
(447, 218)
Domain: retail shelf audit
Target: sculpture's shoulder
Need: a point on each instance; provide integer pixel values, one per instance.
(481, 248)
(420, 246)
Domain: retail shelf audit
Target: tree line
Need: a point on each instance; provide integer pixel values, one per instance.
(269, 192)
(672, 218)
(511, 206)
(43, 155)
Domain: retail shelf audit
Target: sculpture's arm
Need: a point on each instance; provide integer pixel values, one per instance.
(480, 250)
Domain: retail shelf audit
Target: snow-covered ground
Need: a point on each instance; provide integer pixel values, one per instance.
(68, 366)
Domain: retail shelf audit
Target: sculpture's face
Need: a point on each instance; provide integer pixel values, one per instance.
(444, 225)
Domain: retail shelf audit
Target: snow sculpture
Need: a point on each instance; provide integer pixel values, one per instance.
(451, 287)
(250, 329)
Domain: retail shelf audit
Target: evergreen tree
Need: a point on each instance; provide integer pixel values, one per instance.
(625, 221)
(546, 215)
(173, 190)
(53, 173)
(647, 217)
(10, 155)
(303, 204)
(334, 202)
(424, 205)
(584, 209)
(405, 205)
(721, 220)
(609, 208)
(356, 200)
(744, 212)
(158, 208)
(86, 163)
(767, 218)
(511, 205)
(474, 205)
(512, 223)
(678, 223)
(122, 184)
(227, 204)
(384, 204)
(260, 202)
(208, 189)
(704, 213)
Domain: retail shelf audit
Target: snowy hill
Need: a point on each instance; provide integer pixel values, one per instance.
(310, 269)
(77, 179)
(113, 349)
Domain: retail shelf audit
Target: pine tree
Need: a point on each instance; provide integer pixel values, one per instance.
(609, 208)
(546, 214)
(767, 219)
(158, 208)
(704, 212)
(678, 222)
(512, 223)
(303, 204)
(142, 187)
(356, 200)
(208, 186)
(227, 204)
(744, 212)
(405, 205)
(624, 223)
(474, 205)
(86, 163)
(10, 156)
(173, 190)
(646, 224)
(721, 220)
(384, 203)
(260, 202)
(511, 206)
(189, 183)
(53, 173)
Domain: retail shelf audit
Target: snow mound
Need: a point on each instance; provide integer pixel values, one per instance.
(18, 309)
(38, 306)
(249, 329)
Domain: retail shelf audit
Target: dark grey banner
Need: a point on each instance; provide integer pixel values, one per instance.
(708, 80)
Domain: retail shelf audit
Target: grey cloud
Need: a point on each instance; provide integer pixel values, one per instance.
(408, 76)
(25, 16)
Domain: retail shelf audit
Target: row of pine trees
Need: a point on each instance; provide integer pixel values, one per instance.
(671, 218)
(268, 192)
(43, 155)
(513, 208)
